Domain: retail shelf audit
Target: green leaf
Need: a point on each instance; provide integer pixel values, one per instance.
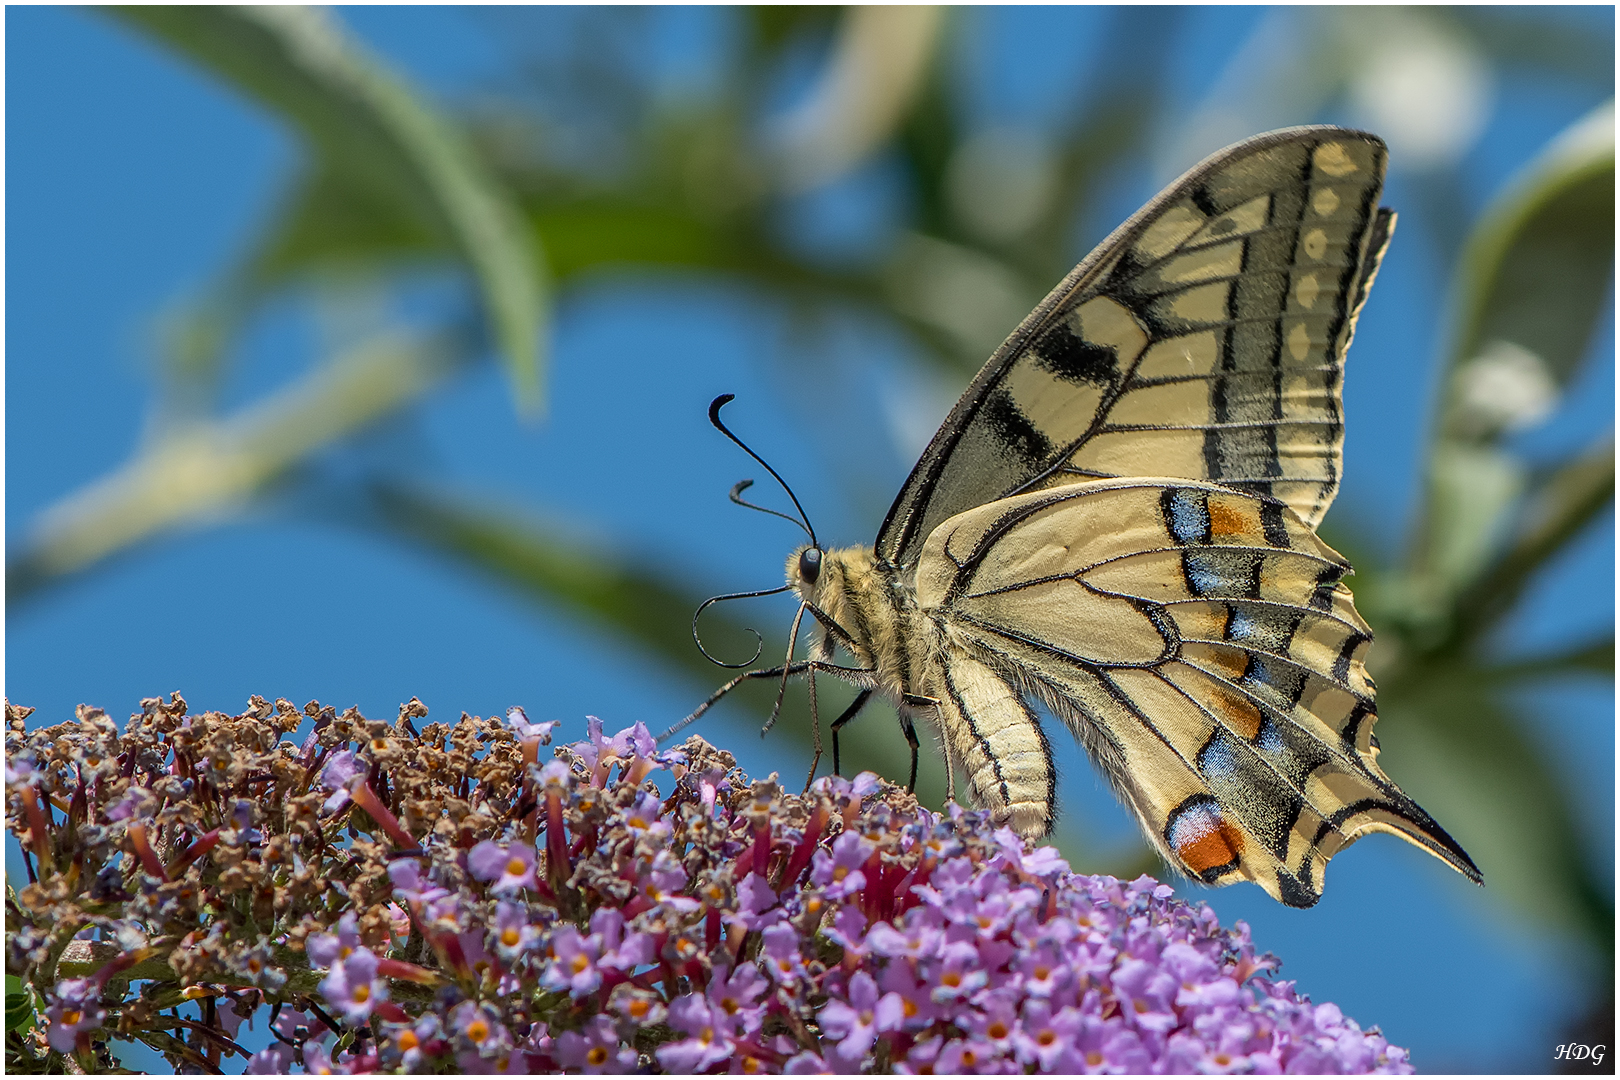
(207, 469)
(1561, 505)
(1533, 278)
(1596, 658)
(379, 145)
(1538, 270)
(19, 1004)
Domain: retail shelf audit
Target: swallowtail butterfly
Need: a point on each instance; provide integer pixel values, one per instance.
(1117, 521)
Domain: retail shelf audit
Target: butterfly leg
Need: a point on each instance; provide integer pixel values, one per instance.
(843, 718)
(763, 673)
(815, 729)
(910, 732)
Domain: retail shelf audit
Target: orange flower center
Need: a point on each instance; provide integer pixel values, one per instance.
(596, 1056)
(478, 1031)
(510, 936)
(516, 867)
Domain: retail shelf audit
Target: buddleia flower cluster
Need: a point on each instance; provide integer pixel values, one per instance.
(378, 899)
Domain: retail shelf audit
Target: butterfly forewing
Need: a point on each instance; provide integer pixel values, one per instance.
(1198, 641)
(1204, 339)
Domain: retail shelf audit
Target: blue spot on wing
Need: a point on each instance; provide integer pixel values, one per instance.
(1186, 515)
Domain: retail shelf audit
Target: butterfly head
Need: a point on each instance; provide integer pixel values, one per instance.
(809, 566)
(807, 572)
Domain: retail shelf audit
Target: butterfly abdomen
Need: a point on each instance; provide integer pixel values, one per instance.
(985, 726)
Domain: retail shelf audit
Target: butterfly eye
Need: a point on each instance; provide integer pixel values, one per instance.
(810, 565)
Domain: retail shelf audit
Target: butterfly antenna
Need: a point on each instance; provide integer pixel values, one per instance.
(736, 497)
(736, 492)
(787, 669)
(758, 641)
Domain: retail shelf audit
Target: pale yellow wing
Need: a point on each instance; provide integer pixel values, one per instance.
(1204, 339)
(1199, 642)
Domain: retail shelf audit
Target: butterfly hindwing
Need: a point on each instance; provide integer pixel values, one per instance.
(1204, 339)
(1199, 642)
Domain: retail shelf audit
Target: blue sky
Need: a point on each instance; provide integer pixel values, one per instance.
(133, 179)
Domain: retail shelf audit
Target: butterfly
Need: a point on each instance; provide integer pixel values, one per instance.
(1117, 522)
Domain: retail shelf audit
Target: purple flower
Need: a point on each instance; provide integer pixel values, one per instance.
(480, 1025)
(805, 1064)
(849, 930)
(918, 935)
(781, 950)
(514, 933)
(959, 974)
(409, 1042)
(275, 1059)
(867, 783)
(353, 988)
(76, 1010)
(643, 818)
(908, 997)
(574, 968)
(1047, 1039)
(757, 904)
(129, 805)
(707, 1044)
(341, 773)
(616, 949)
(661, 880)
(840, 872)
(325, 949)
(853, 1024)
(1147, 995)
(734, 996)
(317, 1061)
(596, 749)
(406, 874)
(595, 1049)
(510, 868)
(518, 721)
(1043, 970)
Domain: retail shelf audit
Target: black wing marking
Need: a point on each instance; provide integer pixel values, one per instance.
(1204, 339)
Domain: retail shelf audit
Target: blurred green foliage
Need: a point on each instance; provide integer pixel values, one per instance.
(392, 183)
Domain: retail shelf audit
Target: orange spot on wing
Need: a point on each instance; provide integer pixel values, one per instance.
(1228, 521)
(1220, 846)
(1230, 662)
(1240, 714)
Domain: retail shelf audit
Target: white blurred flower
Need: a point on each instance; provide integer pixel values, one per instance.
(1505, 388)
(1426, 92)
